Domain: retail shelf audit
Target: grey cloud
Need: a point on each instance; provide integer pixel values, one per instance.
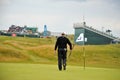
(71, 0)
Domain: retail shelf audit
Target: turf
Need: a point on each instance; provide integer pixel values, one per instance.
(22, 71)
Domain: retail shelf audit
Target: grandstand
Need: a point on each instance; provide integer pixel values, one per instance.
(91, 35)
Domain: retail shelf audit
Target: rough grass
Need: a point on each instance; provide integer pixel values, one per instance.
(7, 54)
(41, 50)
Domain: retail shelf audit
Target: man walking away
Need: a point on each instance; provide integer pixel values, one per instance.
(61, 44)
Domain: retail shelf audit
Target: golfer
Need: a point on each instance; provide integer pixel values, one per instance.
(61, 44)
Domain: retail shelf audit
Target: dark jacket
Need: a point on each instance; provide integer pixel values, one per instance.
(62, 42)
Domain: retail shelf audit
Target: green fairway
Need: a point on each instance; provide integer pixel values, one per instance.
(22, 71)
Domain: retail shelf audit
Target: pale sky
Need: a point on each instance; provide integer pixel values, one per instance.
(59, 15)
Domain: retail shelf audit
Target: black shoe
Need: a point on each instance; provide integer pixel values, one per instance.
(60, 69)
(64, 67)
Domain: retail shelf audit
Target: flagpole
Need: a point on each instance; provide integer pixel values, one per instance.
(81, 38)
(84, 56)
(84, 40)
(84, 53)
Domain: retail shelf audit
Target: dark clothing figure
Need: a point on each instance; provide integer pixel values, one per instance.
(61, 44)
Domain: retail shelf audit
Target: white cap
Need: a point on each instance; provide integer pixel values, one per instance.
(63, 33)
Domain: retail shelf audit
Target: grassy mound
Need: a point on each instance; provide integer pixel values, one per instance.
(41, 50)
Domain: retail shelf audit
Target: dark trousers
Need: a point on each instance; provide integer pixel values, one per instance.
(62, 58)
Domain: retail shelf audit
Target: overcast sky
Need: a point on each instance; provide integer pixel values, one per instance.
(59, 15)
